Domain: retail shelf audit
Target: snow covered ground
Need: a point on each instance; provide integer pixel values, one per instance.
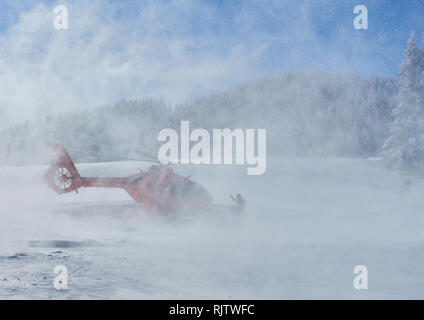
(308, 222)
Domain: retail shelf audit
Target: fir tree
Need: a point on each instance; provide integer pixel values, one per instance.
(404, 149)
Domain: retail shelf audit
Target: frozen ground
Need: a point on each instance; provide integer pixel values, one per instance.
(308, 222)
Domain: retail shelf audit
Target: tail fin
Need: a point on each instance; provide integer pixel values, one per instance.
(62, 175)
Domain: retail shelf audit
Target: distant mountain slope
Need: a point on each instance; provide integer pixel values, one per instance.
(304, 113)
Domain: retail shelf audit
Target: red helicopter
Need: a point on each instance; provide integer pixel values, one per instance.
(158, 190)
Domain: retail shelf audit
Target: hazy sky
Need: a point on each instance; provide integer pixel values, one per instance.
(176, 50)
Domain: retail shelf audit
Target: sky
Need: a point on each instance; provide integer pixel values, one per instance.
(177, 50)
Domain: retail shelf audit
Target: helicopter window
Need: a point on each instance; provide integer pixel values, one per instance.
(137, 178)
(184, 188)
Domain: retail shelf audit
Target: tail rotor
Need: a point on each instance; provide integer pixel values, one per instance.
(62, 176)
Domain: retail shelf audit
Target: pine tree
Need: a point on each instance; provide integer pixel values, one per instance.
(404, 149)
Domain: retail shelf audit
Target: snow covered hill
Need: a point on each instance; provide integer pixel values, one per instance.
(308, 222)
(306, 114)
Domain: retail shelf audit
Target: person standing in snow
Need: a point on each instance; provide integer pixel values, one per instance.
(240, 203)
